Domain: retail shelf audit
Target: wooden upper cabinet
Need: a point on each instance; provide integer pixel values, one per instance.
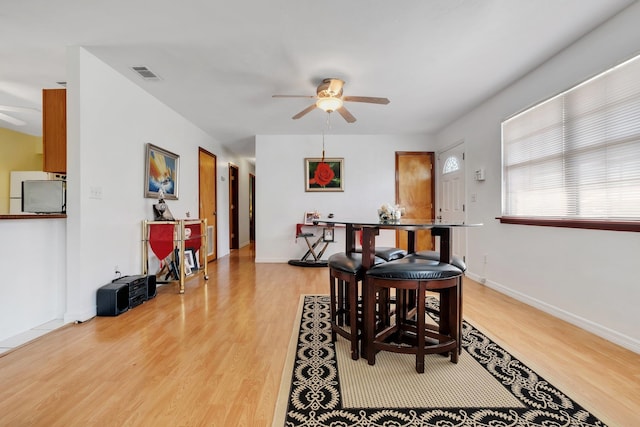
(54, 130)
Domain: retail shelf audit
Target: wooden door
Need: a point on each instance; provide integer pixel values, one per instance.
(452, 194)
(54, 130)
(252, 207)
(208, 200)
(415, 193)
(234, 217)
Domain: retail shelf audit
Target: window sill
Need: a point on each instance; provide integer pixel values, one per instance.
(573, 223)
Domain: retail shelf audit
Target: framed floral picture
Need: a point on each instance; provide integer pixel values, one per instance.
(161, 173)
(327, 175)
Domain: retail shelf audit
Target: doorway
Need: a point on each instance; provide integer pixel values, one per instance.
(451, 194)
(207, 190)
(415, 193)
(234, 217)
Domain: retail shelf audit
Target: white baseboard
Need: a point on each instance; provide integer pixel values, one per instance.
(586, 324)
(271, 260)
(79, 316)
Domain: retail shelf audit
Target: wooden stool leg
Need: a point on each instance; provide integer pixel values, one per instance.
(333, 303)
(353, 316)
(459, 334)
(341, 306)
(368, 329)
(454, 316)
(421, 325)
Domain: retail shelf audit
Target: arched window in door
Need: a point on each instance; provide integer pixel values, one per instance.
(451, 164)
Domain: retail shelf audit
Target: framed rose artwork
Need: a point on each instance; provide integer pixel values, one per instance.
(323, 174)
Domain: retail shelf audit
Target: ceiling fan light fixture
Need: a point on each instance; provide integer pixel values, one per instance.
(329, 98)
(329, 104)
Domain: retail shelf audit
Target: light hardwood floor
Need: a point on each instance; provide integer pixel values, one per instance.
(214, 355)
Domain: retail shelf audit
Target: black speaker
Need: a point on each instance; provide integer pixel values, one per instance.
(151, 286)
(112, 299)
(137, 288)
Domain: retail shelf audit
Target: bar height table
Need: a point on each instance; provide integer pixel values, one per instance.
(371, 228)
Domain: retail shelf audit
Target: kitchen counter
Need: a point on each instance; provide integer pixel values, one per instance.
(36, 216)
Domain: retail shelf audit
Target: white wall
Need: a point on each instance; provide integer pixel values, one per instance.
(369, 181)
(32, 259)
(584, 276)
(110, 120)
(54, 267)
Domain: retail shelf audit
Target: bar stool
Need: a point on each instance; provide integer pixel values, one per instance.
(345, 275)
(410, 333)
(457, 262)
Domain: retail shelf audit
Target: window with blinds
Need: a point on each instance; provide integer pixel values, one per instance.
(577, 155)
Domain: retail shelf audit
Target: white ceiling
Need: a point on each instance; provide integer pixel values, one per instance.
(220, 61)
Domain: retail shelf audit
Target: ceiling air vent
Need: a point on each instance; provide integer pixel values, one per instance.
(146, 73)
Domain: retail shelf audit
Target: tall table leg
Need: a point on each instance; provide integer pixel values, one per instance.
(350, 239)
(411, 241)
(369, 298)
(445, 242)
(445, 256)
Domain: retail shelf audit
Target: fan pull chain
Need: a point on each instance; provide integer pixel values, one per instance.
(328, 127)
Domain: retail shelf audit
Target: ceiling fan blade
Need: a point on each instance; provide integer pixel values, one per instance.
(346, 115)
(16, 109)
(369, 99)
(305, 111)
(12, 120)
(293, 96)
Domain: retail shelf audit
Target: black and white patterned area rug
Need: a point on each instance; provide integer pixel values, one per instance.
(322, 386)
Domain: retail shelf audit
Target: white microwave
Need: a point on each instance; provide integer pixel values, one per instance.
(44, 196)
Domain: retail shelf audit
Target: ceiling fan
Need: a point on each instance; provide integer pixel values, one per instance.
(329, 98)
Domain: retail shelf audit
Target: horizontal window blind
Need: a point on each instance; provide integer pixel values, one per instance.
(577, 155)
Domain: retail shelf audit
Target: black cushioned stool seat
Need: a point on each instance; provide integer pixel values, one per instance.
(435, 256)
(410, 333)
(345, 274)
(388, 253)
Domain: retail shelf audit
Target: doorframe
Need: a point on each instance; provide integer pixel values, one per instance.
(234, 198)
(214, 234)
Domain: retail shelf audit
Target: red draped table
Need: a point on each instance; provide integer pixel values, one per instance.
(165, 238)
